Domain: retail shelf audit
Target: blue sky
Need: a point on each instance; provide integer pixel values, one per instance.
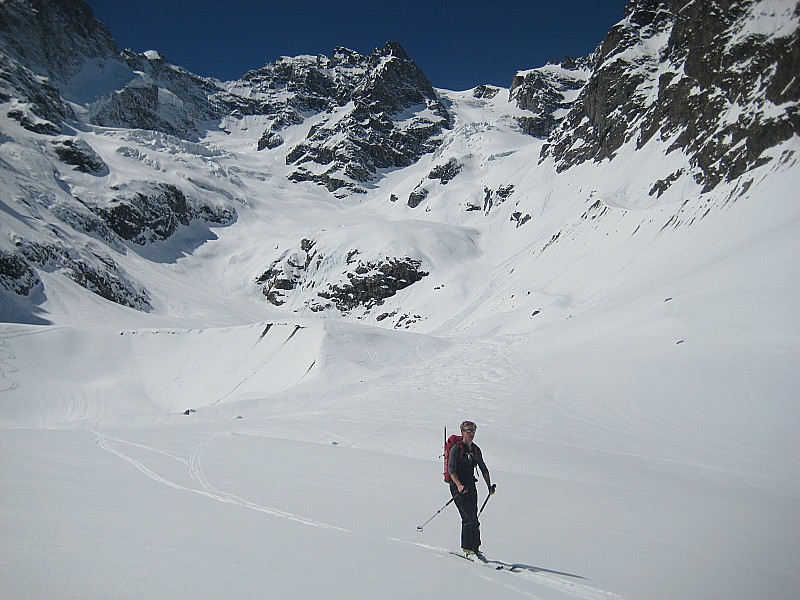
(457, 44)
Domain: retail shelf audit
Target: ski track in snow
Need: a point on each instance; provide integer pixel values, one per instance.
(7, 384)
(544, 577)
(198, 476)
(561, 582)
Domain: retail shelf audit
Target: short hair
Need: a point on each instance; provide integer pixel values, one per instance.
(466, 424)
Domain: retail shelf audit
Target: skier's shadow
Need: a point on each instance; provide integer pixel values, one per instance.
(515, 567)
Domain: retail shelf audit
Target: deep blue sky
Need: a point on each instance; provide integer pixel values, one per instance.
(458, 44)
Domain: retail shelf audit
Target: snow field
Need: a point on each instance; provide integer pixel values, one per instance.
(631, 361)
(621, 474)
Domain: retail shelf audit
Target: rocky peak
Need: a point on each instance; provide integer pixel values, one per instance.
(302, 83)
(393, 82)
(395, 117)
(58, 51)
(43, 45)
(53, 37)
(395, 49)
(344, 57)
(160, 96)
(715, 79)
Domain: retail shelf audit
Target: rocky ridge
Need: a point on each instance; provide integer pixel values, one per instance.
(696, 77)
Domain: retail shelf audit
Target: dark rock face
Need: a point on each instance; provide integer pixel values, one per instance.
(28, 118)
(416, 197)
(492, 198)
(81, 218)
(42, 44)
(16, 275)
(270, 140)
(137, 108)
(393, 82)
(368, 282)
(161, 97)
(37, 104)
(80, 155)
(446, 172)
(548, 93)
(443, 173)
(690, 73)
(394, 118)
(98, 274)
(485, 91)
(372, 282)
(519, 218)
(380, 112)
(143, 218)
(287, 272)
(53, 37)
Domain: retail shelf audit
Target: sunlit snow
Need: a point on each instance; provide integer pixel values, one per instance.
(631, 362)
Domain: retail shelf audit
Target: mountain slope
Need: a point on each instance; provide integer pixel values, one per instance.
(229, 309)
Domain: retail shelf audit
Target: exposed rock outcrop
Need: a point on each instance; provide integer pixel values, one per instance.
(362, 284)
(389, 117)
(548, 93)
(97, 273)
(695, 75)
(155, 215)
(370, 283)
(79, 155)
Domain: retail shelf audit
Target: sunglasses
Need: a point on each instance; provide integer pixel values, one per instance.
(470, 430)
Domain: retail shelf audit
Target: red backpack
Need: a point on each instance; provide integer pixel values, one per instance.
(449, 443)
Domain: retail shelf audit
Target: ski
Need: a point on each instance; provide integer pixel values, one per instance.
(479, 559)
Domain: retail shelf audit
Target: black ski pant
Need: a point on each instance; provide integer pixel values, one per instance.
(467, 504)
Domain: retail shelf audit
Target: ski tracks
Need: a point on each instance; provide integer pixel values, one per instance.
(7, 384)
(561, 583)
(489, 571)
(510, 577)
(198, 476)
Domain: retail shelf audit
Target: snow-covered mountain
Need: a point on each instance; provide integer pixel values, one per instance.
(328, 259)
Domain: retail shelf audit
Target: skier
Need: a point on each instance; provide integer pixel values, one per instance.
(464, 457)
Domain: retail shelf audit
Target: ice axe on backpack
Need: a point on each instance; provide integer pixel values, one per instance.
(494, 486)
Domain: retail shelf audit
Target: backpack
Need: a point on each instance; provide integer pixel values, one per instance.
(451, 441)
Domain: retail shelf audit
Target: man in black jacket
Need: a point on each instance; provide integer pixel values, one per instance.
(464, 457)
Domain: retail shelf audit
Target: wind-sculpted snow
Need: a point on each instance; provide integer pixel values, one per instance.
(248, 362)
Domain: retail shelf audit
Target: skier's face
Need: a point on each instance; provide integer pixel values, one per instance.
(468, 433)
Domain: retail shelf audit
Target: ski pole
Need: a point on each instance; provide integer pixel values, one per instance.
(419, 527)
(494, 485)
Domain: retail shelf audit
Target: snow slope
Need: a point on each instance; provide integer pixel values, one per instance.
(631, 362)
